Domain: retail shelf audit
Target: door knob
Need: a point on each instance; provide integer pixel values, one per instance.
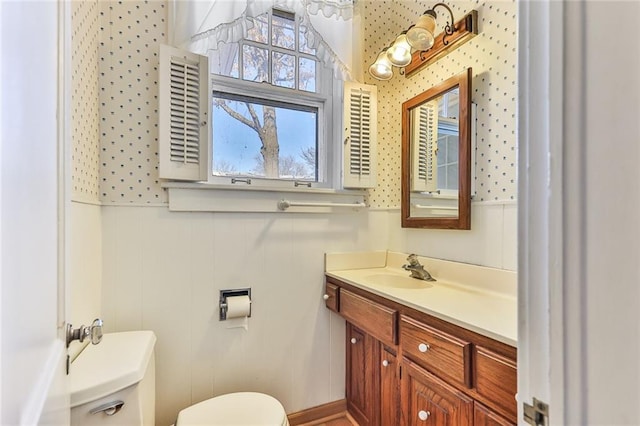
(96, 331)
(93, 332)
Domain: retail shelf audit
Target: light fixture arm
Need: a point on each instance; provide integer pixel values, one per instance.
(450, 28)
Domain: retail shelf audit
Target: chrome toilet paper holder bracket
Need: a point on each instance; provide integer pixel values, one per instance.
(231, 293)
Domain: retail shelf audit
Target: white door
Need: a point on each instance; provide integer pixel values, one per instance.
(33, 200)
(579, 210)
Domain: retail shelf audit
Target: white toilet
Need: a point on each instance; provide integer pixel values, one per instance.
(113, 383)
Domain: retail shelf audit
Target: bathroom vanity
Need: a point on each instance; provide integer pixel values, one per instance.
(440, 353)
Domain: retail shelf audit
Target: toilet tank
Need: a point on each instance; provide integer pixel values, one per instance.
(113, 383)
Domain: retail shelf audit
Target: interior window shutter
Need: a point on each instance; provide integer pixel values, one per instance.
(184, 115)
(360, 138)
(424, 152)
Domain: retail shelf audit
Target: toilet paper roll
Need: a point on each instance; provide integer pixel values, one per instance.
(238, 306)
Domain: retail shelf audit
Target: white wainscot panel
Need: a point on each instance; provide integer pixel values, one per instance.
(483, 245)
(85, 266)
(172, 267)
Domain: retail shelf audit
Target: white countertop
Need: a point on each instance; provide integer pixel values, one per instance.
(477, 298)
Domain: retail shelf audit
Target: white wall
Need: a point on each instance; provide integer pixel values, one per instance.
(611, 152)
(492, 240)
(85, 263)
(163, 271)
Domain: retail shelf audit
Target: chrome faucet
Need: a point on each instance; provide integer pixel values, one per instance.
(416, 269)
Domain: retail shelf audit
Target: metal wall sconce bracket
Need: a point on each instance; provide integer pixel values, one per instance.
(465, 29)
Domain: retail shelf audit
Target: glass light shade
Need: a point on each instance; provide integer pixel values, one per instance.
(399, 54)
(381, 68)
(420, 36)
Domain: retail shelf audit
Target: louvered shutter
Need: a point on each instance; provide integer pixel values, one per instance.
(184, 112)
(360, 138)
(424, 149)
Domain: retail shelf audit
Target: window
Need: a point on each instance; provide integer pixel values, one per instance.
(448, 141)
(265, 139)
(273, 115)
(278, 136)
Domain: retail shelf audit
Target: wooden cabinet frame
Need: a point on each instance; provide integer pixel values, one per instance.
(487, 368)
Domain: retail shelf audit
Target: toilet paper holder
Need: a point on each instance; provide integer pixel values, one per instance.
(231, 293)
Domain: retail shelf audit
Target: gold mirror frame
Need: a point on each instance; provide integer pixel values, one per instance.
(463, 220)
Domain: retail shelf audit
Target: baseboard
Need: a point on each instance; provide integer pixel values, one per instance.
(324, 411)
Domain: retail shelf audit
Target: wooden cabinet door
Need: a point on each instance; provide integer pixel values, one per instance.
(389, 388)
(363, 377)
(483, 416)
(427, 400)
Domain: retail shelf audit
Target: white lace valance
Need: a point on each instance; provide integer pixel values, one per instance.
(200, 26)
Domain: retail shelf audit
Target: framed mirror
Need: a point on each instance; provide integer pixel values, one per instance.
(436, 156)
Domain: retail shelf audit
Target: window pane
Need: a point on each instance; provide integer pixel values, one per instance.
(284, 70)
(260, 30)
(242, 126)
(283, 29)
(255, 63)
(307, 75)
(452, 177)
(452, 149)
(225, 62)
(303, 42)
(442, 150)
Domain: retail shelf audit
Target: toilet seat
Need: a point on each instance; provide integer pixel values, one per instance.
(241, 408)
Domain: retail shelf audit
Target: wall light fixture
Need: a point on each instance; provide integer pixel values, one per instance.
(418, 45)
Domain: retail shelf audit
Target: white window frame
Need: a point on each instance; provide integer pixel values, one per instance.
(326, 131)
(342, 187)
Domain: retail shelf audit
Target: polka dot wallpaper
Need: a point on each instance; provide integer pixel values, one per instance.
(127, 35)
(84, 102)
(130, 35)
(491, 54)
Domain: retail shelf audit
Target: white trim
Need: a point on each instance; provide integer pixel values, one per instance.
(2, 283)
(495, 203)
(204, 198)
(88, 201)
(540, 206)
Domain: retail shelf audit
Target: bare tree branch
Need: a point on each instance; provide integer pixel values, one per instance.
(254, 116)
(235, 114)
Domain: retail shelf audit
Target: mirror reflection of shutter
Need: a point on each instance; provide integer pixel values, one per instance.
(424, 152)
(360, 137)
(184, 111)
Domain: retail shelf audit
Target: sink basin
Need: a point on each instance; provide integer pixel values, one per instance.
(397, 281)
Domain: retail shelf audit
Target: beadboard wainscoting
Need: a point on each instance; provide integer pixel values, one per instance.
(492, 240)
(85, 265)
(162, 271)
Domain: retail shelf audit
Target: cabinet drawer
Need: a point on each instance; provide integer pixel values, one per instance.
(482, 416)
(496, 379)
(439, 352)
(331, 298)
(377, 320)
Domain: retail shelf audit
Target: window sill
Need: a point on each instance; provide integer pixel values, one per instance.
(204, 197)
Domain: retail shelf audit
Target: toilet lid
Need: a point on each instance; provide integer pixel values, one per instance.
(242, 408)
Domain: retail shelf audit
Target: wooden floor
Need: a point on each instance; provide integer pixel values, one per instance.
(342, 420)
